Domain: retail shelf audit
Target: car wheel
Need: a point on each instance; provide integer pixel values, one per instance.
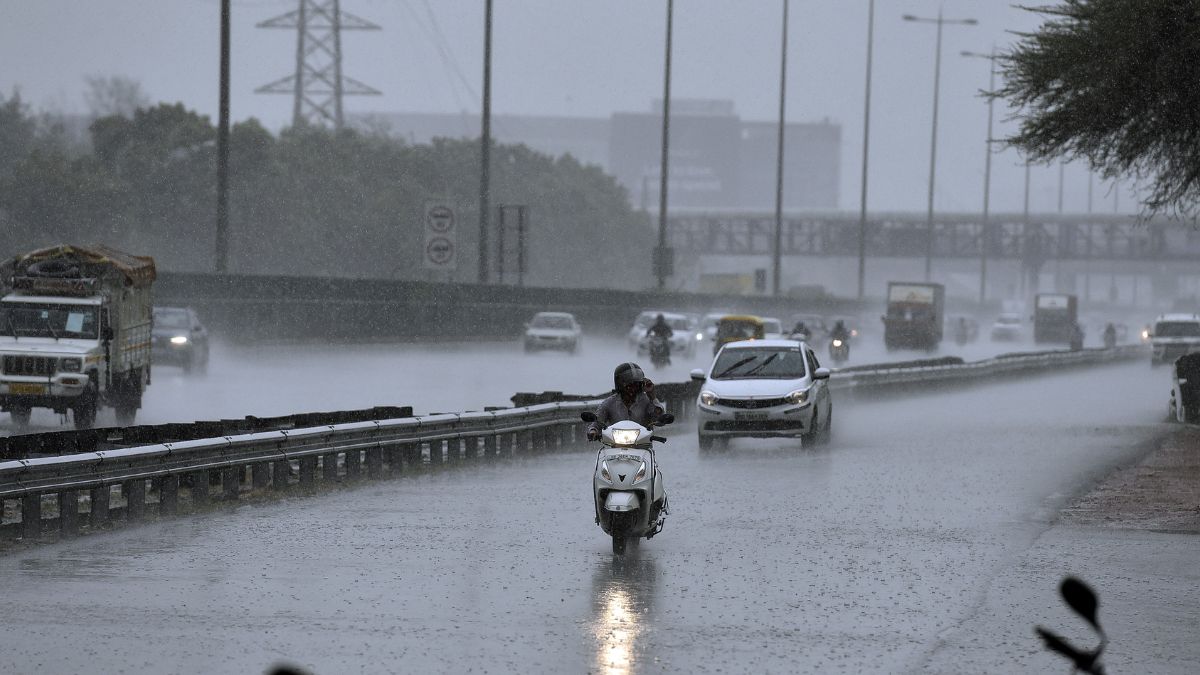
(706, 442)
(825, 433)
(811, 436)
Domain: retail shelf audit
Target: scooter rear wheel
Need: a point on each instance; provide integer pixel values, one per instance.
(618, 543)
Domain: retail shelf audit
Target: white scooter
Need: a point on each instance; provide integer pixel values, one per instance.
(631, 501)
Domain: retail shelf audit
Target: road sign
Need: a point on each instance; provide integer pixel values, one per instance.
(441, 237)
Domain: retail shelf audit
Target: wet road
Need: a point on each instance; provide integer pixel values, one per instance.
(269, 380)
(863, 556)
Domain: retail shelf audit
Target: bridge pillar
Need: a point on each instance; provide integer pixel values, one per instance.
(453, 450)
(412, 455)
(353, 464)
(231, 481)
(489, 446)
(68, 511)
(280, 469)
(31, 516)
(199, 490)
(329, 467)
(168, 495)
(374, 462)
(308, 471)
(395, 460)
(435, 453)
(134, 492)
(260, 475)
(98, 515)
(472, 443)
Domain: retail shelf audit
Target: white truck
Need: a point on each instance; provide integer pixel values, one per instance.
(75, 333)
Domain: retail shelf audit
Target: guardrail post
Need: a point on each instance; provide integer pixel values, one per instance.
(374, 462)
(31, 516)
(134, 492)
(98, 515)
(68, 511)
(168, 495)
(472, 443)
(308, 471)
(260, 474)
(199, 489)
(353, 464)
(280, 469)
(329, 467)
(231, 481)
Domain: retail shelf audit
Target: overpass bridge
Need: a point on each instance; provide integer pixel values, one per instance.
(1116, 258)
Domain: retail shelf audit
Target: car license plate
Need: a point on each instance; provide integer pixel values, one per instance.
(749, 416)
(26, 389)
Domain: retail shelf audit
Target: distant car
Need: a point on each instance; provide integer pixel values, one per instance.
(772, 328)
(683, 335)
(708, 325)
(1173, 336)
(764, 389)
(1008, 327)
(552, 330)
(178, 338)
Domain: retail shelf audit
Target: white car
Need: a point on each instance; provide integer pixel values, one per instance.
(764, 389)
(683, 335)
(1173, 336)
(772, 328)
(552, 330)
(1007, 327)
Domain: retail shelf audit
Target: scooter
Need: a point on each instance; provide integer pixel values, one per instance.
(660, 351)
(839, 350)
(631, 501)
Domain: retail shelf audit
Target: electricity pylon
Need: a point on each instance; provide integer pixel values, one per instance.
(317, 87)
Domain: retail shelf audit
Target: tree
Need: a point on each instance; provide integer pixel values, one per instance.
(114, 95)
(1117, 83)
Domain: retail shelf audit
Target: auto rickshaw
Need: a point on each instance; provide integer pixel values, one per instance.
(1185, 391)
(737, 327)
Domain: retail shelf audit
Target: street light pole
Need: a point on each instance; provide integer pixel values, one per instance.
(987, 173)
(222, 262)
(777, 258)
(862, 206)
(485, 145)
(937, 74)
(660, 263)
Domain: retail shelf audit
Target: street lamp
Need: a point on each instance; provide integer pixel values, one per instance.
(661, 264)
(937, 73)
(987, 171)
(776, 259)
(862, 207)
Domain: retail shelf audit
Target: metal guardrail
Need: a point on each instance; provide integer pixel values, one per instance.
(305, 458)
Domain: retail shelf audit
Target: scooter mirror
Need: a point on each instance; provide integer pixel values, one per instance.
(587, 416)
(664, 419)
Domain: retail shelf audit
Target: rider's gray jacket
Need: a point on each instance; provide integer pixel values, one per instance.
(644, 411)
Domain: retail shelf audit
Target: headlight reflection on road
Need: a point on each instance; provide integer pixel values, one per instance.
(616, 630)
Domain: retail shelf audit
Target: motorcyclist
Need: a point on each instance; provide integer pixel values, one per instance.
(1076, 337)
(840, 332)
(660, 327)
(801, 330)
(633, 400)
(1110, 336)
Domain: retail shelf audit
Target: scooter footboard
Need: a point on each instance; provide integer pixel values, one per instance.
(621, 501)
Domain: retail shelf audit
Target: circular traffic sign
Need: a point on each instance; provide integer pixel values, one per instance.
(439, 250)
(441, 218)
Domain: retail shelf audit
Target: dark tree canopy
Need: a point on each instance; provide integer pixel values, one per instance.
(1115, 82)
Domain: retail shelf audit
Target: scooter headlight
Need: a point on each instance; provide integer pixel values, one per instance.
(837, 343)
(604, 471)
(708, 397)
(179, 340)
(699, 336)
(798, 397)
(641, 473)
(625, 436)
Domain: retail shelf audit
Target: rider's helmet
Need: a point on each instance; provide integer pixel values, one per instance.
(660, 319)
(628, 374)
(839, 325)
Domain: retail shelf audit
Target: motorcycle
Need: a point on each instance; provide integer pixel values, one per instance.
(660, 350)
(630, 499)
(839, 350)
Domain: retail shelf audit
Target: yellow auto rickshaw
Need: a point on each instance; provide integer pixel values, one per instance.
(737, 327)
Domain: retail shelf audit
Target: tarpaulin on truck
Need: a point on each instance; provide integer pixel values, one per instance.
(86, 261)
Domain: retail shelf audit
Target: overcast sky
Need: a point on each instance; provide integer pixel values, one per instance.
(583, 58)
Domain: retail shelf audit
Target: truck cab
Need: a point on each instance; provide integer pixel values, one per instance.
(915, 312)
(1173, 336)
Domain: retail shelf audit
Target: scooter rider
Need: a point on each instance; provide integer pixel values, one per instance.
(660, 327)
(840, 332)
(633, 400)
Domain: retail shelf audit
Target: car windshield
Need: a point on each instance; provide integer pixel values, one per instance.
(1008, 320)
(772, 326)
(644, 319)
(56, 321)
(678, 324)
(778, 363)
(169, 319)
(1177, 329)
(552, 322)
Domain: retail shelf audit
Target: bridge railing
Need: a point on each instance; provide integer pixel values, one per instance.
(125, 483)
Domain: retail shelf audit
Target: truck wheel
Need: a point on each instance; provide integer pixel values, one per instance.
(85, 409)
(20, 416)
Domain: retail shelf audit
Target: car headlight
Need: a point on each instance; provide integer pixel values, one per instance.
(699, 336)
(837, 343)
(641, 473)
(1145, 335)
(708, 398)
(625, 436)
(604, 472)
(179, 340)
(797, 397)
(70, 365)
